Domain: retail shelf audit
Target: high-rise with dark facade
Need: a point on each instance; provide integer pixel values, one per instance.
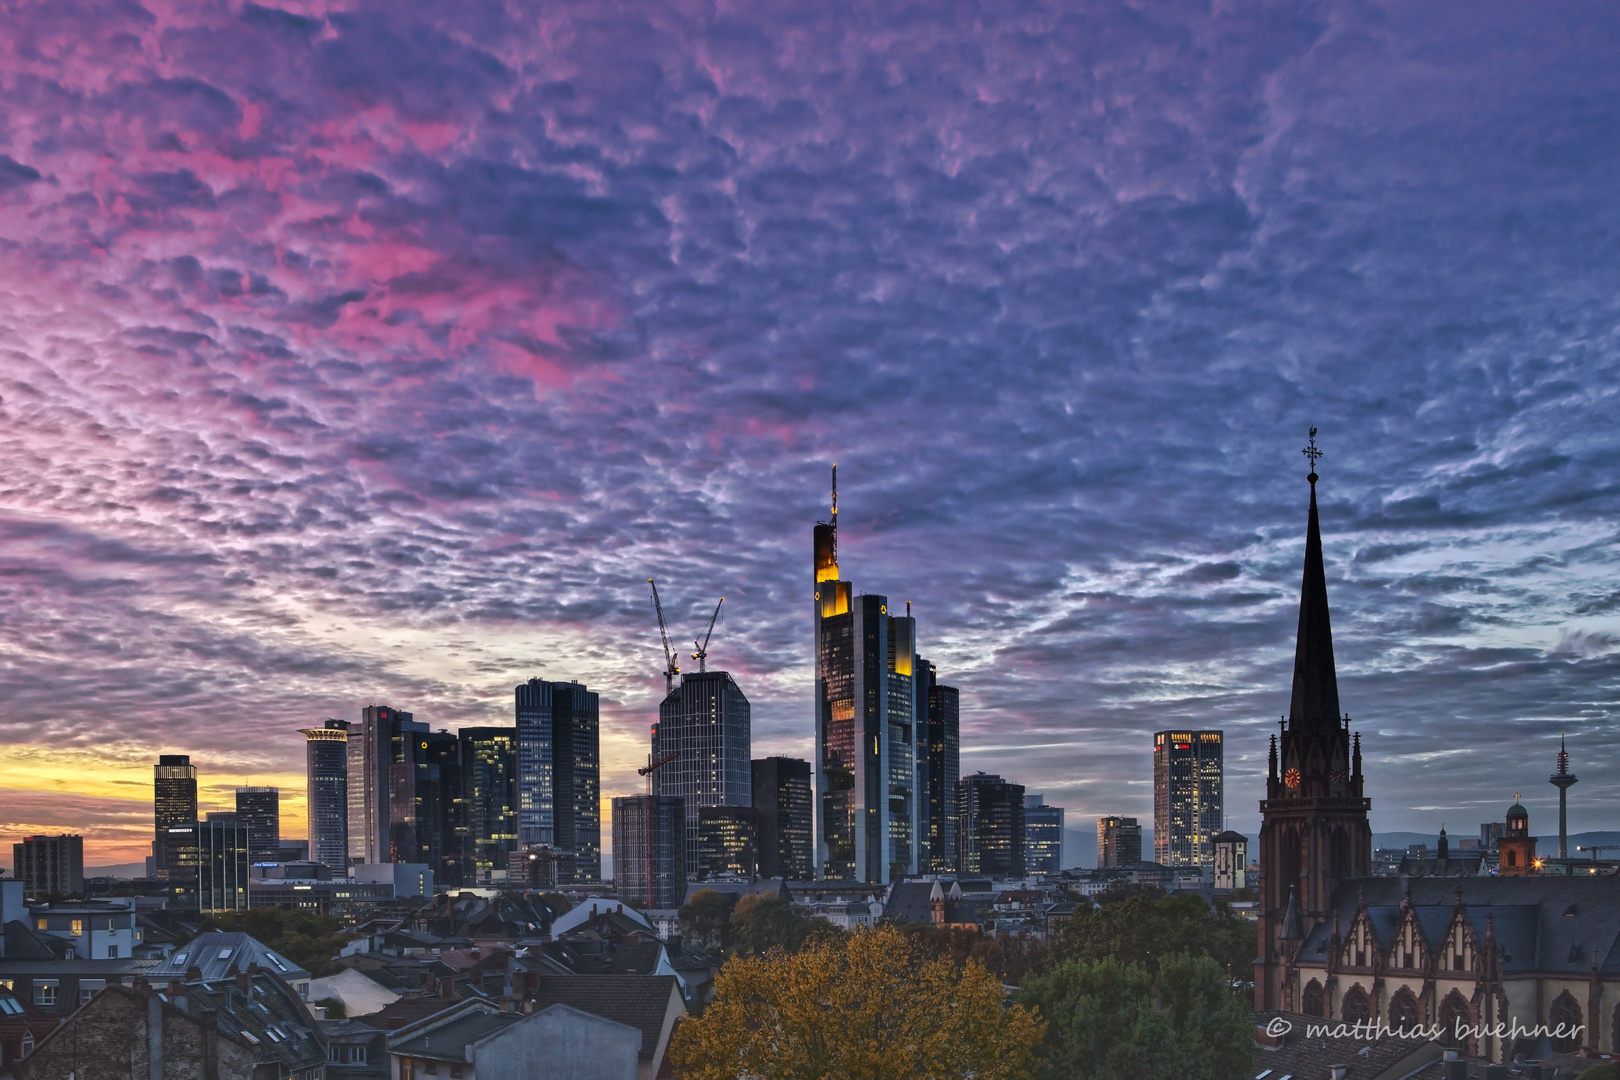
(939, 750)
(224, 864)
(1187, 803)
(866, 726)
(1119, 842)
(707, 722)
(372, 744)
(1043, 836)
(327, 792)
(51, 865)
(443, 826)
(783, 797)
(727, 844)
(649, 849)
(559, 770)
(174, 843)
(259, 811)
(992, 827)
(488, 800)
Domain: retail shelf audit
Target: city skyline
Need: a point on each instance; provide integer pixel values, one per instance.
(383, 356)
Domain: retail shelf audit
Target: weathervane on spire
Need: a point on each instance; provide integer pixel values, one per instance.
(1312, 453)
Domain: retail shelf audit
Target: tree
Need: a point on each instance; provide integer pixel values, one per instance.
(308, 940)
(760, 923)
(1147, 929)
(1009, 957)
(863, 1006)
(1107, 1019)
(706, 918)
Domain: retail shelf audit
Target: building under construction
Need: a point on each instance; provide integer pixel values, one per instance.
(707, 721)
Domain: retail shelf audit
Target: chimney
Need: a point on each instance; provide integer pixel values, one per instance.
(1456, 1069)
(447, 987)
(1338, 1072)
(193, 974)
(208, 1020)
(244, 980)
(1264, 1038)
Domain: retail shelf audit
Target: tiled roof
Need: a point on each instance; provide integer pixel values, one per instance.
(1549, 923)
(405, 1012)
(638, 1001)
(911, 901)
(267, 1015)
(1311, 1058)
(449, 1041)
(219, 955)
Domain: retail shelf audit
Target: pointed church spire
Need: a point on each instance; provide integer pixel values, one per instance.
(1315, 705)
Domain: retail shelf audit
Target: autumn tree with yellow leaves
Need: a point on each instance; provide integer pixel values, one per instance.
(864, 1006)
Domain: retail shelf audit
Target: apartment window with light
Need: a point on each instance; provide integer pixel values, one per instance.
(78, 927)
(44, 994)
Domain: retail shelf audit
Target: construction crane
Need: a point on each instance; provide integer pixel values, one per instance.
(671, 669)
(702, 654)
(650, 825)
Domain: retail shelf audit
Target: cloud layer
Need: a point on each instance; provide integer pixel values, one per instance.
(359, 352)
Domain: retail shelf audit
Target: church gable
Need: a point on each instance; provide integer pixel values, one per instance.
(1459, 949)
(1361, 945)
(1409, 951)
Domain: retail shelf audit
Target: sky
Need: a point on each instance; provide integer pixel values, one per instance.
(362, 352)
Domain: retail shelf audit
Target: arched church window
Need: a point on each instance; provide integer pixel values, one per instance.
(1312, 1005)
(1455, 1019)
(1565, 1011)
(1403, 1010)
(1357, 1007)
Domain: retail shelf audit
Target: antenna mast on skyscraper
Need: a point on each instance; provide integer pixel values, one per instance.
(835, 515)
(671, 669)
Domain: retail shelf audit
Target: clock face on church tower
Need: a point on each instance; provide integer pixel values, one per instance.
(1291, 778)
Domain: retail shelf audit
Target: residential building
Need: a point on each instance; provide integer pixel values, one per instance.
(727, 843)
(784, 797)
(105, 929)
(1043, 836)
(939, 770)
(1119, 842)
(224, 864)
(488, 801)
(649, 849)
(174, 844)
(706, 722)
(258, 809)
(992, 836)
(327, 792)
(1187, 797)
(51, 865)
(371, 747)
(558, 781)
(866, 726)
(650, 1004)
(242, 1027)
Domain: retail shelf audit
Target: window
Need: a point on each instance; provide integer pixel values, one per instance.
(346, 1055)
(45, 993)
(39, 924)
(112, 952)
(78, 927)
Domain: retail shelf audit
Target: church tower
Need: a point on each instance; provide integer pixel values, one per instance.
(1314, 831)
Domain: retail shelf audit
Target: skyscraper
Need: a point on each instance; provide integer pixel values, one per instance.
(1119, 842)
(371, 746)
(488, 800)
(444, 825)
(1187, 800)
(783, 797)
(866, 725)
(1043, 836)
(728, 846)
(224, 864)
(327, 792)
(707, 721)
(992, 833)
(259, 811)
(174, 845)
(559, 768)
(51, 865)
(649, 849)
(939, 747)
